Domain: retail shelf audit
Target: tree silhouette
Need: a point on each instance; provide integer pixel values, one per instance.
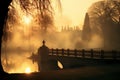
(3, 16)
(86, 33)
(105, 20)
(43, 7)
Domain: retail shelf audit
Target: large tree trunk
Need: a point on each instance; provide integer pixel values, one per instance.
(3, 15)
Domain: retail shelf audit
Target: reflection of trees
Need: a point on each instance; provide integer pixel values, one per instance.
(105, 17)
(44, 10)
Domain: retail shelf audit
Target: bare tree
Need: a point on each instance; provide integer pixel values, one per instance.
(105, 17)
(43, 7)
(105, 11)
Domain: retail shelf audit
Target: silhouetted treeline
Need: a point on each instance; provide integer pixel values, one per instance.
(105, 22)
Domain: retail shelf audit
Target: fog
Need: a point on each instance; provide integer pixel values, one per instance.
(25, 36)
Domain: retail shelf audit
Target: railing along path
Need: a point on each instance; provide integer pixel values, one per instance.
(93, 54)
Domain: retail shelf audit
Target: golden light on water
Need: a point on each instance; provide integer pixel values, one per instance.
(60, 65)
(28, 70)
(73, 12)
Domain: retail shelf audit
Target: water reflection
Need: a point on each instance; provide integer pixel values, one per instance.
(17, 62)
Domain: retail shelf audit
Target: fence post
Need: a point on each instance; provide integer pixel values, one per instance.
(43, 58)
(63, 52)
(52, 51)
(83, 53)
(102, 54)
(75, 52)
(57, 51)
(114, 54)
(68, 52)
(91, 53)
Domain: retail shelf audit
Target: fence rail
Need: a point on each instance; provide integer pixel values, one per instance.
(93, 54)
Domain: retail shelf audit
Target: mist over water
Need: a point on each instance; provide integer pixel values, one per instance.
(16, 50)
(27, 34)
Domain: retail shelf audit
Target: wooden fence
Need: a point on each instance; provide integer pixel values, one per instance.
(93, 54)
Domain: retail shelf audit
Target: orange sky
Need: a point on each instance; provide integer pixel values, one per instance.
(73, 11)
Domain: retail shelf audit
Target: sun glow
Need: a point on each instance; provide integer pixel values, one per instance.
(27, 19)
(28, 70)
(27, 37)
